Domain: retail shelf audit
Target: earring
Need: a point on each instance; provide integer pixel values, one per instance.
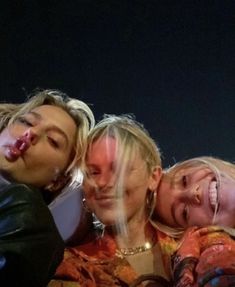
(99, 227)
(84, 204)
(151, 202)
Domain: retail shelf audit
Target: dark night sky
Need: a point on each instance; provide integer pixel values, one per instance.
(171, 63)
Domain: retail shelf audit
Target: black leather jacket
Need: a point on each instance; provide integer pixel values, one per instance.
(30, 245)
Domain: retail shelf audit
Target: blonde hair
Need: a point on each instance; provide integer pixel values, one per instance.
(130, 135)
(218, 166)
(78, 110)
(131, 138)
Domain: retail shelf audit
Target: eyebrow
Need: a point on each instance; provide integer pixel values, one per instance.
(53, 128)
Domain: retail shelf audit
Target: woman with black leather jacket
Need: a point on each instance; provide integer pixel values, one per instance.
(41, 145)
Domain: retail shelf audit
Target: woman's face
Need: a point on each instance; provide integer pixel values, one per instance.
(188, 198)
(102, 198)
(38, 146)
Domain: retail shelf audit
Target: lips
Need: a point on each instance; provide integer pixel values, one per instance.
(105, 201)
(22, 144)
(13, 152)
(101, 198)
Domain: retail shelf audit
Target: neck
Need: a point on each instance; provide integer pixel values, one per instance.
(136, 236)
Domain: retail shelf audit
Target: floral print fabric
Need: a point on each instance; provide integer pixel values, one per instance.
(206, 257)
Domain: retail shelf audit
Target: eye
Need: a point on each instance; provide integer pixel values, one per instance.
(185, 213)
(24, 121)
(53, 142)
(93, 172)
(184, 180)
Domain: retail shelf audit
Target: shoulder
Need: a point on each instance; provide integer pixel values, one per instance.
(18, 191)
(19, 197)
(25, 209)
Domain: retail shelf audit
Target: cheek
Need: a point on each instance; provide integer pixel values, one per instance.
(51, 161)
(15, 131)
(135, 197)
(47, 172)
(227, 219)
(139, 181)
(200, 215)
(5, 136)
(89, 192)
(88, 195)
(163, 202)
(166, 193)
(227, 196)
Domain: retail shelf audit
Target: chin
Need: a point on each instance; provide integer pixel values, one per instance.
(108, 221)
(20, 178)
(12, 170)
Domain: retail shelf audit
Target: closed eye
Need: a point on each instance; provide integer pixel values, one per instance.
(185, 213)
(93, 172)
(184, 180)
(53, 142)
(24, 121)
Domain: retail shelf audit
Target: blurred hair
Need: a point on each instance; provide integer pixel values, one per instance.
(131, 139)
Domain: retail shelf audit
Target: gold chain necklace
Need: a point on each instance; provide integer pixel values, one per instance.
(135, 250)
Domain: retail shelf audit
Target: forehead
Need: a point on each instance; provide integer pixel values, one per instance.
(106, 148)
(195, 172)
(102, 148)
(53, 113)
(185, 170)
(45, 109)
(54, 116)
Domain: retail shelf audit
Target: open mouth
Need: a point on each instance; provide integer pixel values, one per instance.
(213, 195)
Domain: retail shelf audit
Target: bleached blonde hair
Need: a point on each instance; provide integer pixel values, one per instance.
(78, 110)
(128, 133)
(218, 166)
(132, 139)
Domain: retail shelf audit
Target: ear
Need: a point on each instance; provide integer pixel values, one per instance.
(155, 178)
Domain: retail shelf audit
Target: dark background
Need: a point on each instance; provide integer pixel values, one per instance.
(171, 63)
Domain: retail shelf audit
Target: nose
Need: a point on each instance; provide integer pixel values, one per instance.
(195, 194)
(31, 136)
(105, 180)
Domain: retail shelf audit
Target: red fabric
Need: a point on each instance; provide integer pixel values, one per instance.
(98, 264)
